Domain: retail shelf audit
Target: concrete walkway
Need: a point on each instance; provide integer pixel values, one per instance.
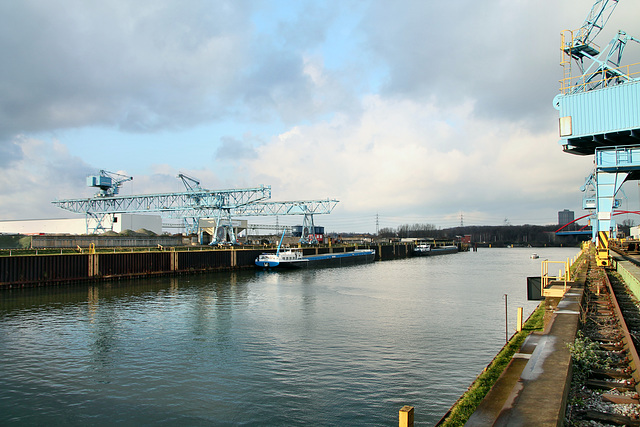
(532, 390)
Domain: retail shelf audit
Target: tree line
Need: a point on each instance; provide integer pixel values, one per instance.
(497, 235)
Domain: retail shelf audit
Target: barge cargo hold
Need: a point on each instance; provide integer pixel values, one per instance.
(293, 258)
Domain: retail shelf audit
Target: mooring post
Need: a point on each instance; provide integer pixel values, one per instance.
(506, 321)
(519, 320)
(406, 416)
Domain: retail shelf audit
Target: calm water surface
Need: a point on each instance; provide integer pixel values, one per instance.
(347, 346)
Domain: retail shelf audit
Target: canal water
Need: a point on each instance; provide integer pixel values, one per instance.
(344, 346)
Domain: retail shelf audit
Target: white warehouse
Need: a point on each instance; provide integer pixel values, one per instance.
(121, 222)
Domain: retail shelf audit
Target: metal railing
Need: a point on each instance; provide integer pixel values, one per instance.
(563, 276)
(599, 79)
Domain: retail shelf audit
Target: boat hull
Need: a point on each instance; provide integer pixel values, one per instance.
(444, 250)
(281, 264)
(435, 250)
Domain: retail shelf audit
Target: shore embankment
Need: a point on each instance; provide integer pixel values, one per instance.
(540, 346)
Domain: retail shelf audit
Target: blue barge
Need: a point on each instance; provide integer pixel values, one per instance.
(293, 258)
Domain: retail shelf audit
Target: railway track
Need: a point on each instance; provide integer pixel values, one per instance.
(606, 369)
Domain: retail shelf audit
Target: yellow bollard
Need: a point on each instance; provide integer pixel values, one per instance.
(406, 416)
(519, 320)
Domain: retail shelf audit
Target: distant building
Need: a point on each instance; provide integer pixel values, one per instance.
(565, 217)
(78, 225)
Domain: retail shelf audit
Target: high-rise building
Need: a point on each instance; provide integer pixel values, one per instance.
(565, 217)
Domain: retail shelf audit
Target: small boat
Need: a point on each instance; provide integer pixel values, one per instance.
(534, 256)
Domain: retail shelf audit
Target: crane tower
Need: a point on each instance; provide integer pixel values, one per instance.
(600, 116)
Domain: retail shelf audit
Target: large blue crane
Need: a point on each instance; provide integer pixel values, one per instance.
(188, 204)
(600, 115)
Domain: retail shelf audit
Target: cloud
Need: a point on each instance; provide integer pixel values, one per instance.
(502, 55)
(413, 108)
(9, 152)
(234, 149)
(138, 66)
(45, 171)
(409, 156)
(147, 66)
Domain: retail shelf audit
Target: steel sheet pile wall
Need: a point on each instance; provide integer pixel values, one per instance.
(401, 251)
(392, 251)
(204, 260)
(247, 257)
(384, 252)
(134, 263)
(32, 269)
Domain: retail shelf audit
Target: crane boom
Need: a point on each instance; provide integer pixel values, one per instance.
(190, 183)
(595, 22)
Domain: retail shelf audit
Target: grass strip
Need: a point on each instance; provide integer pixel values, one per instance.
(467, 404)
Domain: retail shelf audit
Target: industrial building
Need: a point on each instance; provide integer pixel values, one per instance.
(118, 223)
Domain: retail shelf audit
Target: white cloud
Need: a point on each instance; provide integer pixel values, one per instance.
(45, 171)
(406, 156)
(139, 66)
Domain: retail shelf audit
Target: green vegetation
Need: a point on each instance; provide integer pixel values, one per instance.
(585, 358)
(470, 400)
(14, 241)
(579, 262)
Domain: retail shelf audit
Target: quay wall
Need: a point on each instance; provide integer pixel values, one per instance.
(51, 269)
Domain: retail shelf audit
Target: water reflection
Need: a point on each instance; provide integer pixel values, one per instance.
(299, 348)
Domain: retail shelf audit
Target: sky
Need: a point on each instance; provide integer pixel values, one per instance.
(412, 111)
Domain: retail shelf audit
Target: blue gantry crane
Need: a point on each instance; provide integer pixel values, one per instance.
(196, 202)
(600, 116)
(191, 205)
